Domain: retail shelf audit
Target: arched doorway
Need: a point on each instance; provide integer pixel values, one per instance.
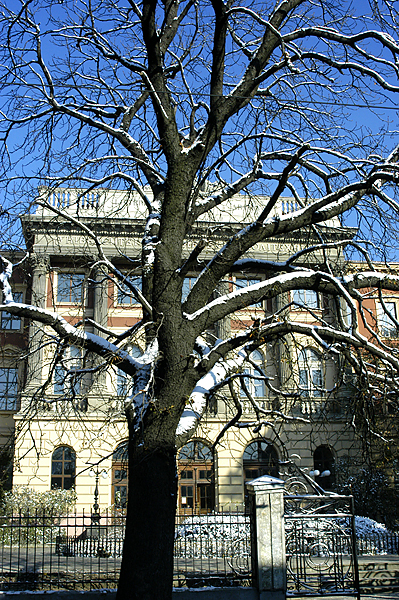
(324, 465)
(120, 476)
(196, 488)
(260, 458)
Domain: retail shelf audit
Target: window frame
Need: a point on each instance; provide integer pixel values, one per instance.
(8, 317)
(9, 401)
(312, 374)
(73, 287)
(303, 303)
(253, 386)
(122, 380)
(196, 478)
(386, 327)
(241, 283)
(68, 384)
(268, 465)
(120, 475)
(126, 298)
(64, 475)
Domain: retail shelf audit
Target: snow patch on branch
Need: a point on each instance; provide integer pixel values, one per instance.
(75, 336)
(197, 403)
(141, 396)
(5, 277)
(371, 278)
(256, 291)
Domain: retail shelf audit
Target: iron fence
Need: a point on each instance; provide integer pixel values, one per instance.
(213, 549)
(385, 542)
(320, 546)
(43, 551)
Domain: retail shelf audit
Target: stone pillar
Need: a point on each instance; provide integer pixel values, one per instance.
(285, 351)
(40, 268)
(98, 389)
(266, 502)
(223, 327)
(100, 309)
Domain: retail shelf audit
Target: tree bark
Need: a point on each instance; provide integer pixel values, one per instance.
(147, 563)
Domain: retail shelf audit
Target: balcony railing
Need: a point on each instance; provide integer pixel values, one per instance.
(122, 204)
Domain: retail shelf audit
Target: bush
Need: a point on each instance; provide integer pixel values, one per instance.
(374, 495)
(33, 517)
(28, 502)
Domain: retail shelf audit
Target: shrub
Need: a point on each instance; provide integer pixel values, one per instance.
(30, 516)
(29, 502)
(373, 493)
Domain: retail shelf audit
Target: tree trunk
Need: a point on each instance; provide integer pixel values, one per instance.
(147, 563)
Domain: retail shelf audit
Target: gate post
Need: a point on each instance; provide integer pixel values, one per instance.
(266, 504)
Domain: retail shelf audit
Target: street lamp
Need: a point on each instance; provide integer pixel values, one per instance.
(96, 472)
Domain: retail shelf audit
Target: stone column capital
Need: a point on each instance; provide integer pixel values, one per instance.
(39, 262)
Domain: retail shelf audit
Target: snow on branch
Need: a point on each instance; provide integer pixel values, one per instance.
(77, 337)
(198, 400)
(5, 277)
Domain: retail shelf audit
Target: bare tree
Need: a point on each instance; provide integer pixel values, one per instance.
(160, 99)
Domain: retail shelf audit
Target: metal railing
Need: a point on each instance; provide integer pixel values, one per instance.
(386, 542)
(212, 549)
(44, 551)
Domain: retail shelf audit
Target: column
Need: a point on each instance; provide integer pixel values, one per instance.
(100, 315)
(266, 502)
(40, 268)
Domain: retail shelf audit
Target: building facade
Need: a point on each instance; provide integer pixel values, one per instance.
(67, 412)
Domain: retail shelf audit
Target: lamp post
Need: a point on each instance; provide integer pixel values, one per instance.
(96, 472)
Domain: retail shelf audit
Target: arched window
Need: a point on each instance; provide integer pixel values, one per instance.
(256, 387)
(311, 380)
(260, 458)
(123, 380)
(120, 475)
(63, 465)
(324, 467)
(196, 478)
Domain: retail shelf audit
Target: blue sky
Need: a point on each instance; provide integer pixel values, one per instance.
(377, 127)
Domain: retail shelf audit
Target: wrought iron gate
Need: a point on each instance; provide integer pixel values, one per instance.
(321, 546)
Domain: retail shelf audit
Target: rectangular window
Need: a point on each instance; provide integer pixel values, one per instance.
(70, 288)
(12, 322)
(187, 285)
(311, 382)
(305, 298)
(66, 376)
(187, 496)
(8, 388)
(123, 383)
(243, 283)
(206, 500)
(386, 326)
(125, 295)
(59, 380)
(303, 382)
(317, 382)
